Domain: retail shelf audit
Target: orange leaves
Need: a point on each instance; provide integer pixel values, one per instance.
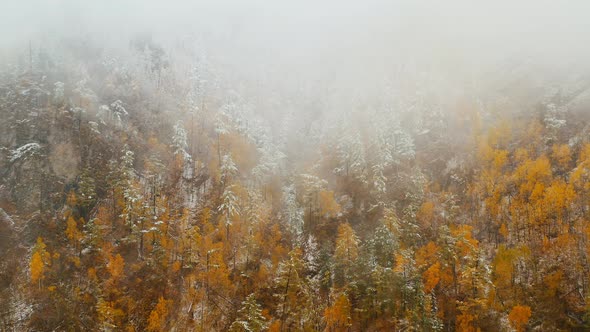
(466, 243)
(176, 266)
(275, 326)
(72, 200)
(39, 260)
(108, 314)
(538, 170)
(559, 195)
(585, 154)
(36, 267)
(328, 205)
(580, 175)
(499, 136)
(532, 173)
(426, 214)
(503, 230)
(214, 272)
(338, 315)
(504, 266)
(91, 274)
(464, 323)
(115, 266)
(519, 316)
(500, 159)
(243, 152)
(346, 243)
(552, 281)
(490, 147)
(431, 277)
(561, 154)
(159, 315)
(72, 232)
(427, 254)
(400, 263)
(537, 192)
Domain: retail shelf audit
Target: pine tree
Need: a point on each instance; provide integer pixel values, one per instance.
(250, 318)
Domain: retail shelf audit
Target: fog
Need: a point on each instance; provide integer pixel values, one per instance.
(320, 38)
(336, 53)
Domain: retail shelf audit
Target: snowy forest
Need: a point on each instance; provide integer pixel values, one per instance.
(330, 166)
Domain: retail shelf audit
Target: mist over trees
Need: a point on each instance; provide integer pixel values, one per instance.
(310, 166)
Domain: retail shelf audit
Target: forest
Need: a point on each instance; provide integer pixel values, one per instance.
(154, 184)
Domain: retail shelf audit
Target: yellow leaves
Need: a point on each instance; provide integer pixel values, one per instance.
(39, 259)
(485, 152)
(521, 155)
(426, 214)
(338, 315)
(546, 243)
(72, 200)
(504, 230)
(500, 135)
(431, 277)
(205, 216)
(115, 266)
(561, 154)
(72, 232)
(215, 270)
(539, 170)
(534, 133)
(391, 221)
(75, 260)
(346, 243)
(108, 314)
(464, 323)
(274, 242)
(565, 241)
(91, 273)
(159, 315)
(558, 196)
(500, 159)
(552, 281)
(427, 254)
(36, 267)
(579, 176)
(466, 243)
(537, 192)
(176, 266)
(400, 263)
(328, 205)
(275, 326)
(531, 172)
(243, 152)
(519, 316)
(504, 265)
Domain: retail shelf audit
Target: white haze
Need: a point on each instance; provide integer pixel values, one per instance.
(323, 44)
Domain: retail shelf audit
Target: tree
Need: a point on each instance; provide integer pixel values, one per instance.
(159, 315)
(519, 317)
(292, 213)
(250, 318)
(292, 293)
(338, 316)
(40, 259)
(72, 232)
(346, 243)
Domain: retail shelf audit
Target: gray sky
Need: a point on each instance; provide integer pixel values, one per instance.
(322, 38)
